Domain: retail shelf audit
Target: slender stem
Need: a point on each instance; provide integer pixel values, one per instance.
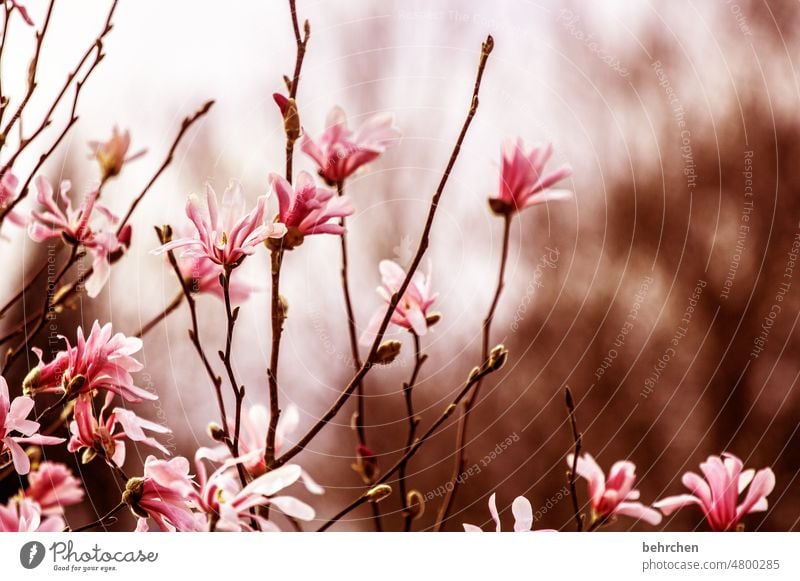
(3, 101)
(170, 308)
(476, 375)
(469, 403)
(238, 391)
(300, 43)
(423, 246)
(572, 473)
(278, 317)
(413, 422)
(22, 291)
(107, 518)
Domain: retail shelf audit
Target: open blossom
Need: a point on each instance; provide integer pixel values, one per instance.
(520, 508)
(227, 504)
(111, 154)
(101, 435)
(412, 310)
(13, 418)
(75, 226)
(614, 495)
(8, 193)
(225, 235)
(253, 438)
(99, 362)
(163, 493)
(523, 181)
(718, 495)
(23, 515)
(307, 209)
(53, 487)
(339, 152)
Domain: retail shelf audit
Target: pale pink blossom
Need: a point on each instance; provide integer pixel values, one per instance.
(227, 504)
(520, 508)
(23, 515)
(106, 435)
(523, 181)
(225, 235)
(75, 225)
(339, 152)
(253, 438)
(615, 495)
(99, 362)
(13, 418)
(718, 495)
(8, 193)
(164, 493)
(113, 153)
(307, 209)
(413, 308)
(53, 487)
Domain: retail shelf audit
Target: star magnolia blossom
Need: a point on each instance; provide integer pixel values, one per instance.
(523, 181)
(412, 310)
(253, 438)
(111, 154)
(227, 505)
(75, 226)
(615, 495)
(718, 495)
(225, 235)
(338, 152)
(53, 487)
(8, 193)
(99, 362)
(520, 508)
(307, 209)
(23, 515)
(13, 418)
(97, 435)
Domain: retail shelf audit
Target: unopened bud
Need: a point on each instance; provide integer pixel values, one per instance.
(164, 233)
(74, 386)
(497, 357)
(291, 120)
(433, 318)
(133, 494)
(366, 464)
(31, 381)
(379, 493)
(88, 455)
(216, 432)
(415, 503)
(387, 352)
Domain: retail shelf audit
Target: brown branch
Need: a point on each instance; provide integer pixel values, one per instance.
(494, 363)
(486, 49)
(231, 316)
(170, 308)
(293, 83)
(278, 310)
(572, 473)
(413, 422)
(3, 99)
(469, 403)
(106, 519)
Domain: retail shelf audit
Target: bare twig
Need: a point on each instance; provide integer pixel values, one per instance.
(486, 49)
(150, 325)
(106, 519)
(572, 473)
(413, 422)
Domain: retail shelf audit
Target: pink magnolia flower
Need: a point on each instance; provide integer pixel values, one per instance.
(412, 310)
(613, 496)
(23, 12)
(228, 235)
(523, 181)
(8, 193)
(520, 508)
(164, 494)
(53, 487)
(227, 504)
(307, 209)
(101, 362)
(253, 439)
(13, 418)
(23, 515)
(74, 226)
(718, 495)
(100, 436)
(339, 152)
(203, 276)
(111, 154)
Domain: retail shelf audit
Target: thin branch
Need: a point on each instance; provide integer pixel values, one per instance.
(172, 307)
(413, 422)
(23, 290)
(572, 473)
(476, 375)
(278, 311)
(469, 403)
(294, 82)
(231, 316)
(106, 519)
(486, 49)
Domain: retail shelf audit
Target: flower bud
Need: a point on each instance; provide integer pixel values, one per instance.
(133, 494)
(433, 318)
(366, 464)
(74, 386)
(216, 432)
(31, 381)
(387, 352)
(415, 503)
(497, 357)
(379, 493)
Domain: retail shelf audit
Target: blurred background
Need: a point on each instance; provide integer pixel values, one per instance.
(680, 121)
